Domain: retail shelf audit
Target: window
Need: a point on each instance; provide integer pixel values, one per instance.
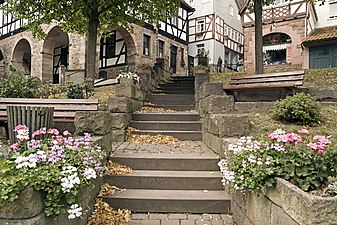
(200, 49)
(182, 55)
(229, 32)
(110, 45)
(238, 17)
(280, 1)
(231, 10)
(174, 20)
(113, 50)
(333, 9)
(226, 30)
(146, 44)
(160, 52)
(200, 26)
(236, 36)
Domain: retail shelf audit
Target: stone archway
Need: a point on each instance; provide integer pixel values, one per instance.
(277, 49)
(21, 58)
(55, 53)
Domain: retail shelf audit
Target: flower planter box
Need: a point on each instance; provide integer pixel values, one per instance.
(28, 208)
(283, 204)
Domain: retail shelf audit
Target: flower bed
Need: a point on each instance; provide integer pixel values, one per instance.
(308, 161)
(52, 180)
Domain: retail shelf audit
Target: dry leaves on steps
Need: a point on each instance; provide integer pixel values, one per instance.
(117, 169)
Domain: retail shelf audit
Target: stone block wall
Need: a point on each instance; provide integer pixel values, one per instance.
(283, 204)
(221, 122)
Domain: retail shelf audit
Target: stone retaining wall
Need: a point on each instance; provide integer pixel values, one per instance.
(283, 204)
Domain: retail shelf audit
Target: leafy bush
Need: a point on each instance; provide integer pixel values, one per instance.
(300, 108)
(306, 162)
(80, 91)
(48, 89)
(59, 166)
(17, 85)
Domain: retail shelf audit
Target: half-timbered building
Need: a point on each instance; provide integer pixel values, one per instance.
(285, 25)
(116, 51)
(215, 27)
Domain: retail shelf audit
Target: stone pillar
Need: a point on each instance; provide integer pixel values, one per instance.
(201, 76)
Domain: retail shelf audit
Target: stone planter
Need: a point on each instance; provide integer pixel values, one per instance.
(283, 204)
(28, 208)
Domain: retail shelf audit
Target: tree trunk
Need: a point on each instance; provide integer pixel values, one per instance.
(90, 55)
(258, 37)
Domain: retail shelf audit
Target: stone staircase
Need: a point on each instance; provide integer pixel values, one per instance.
(168, 179)
(184, 123)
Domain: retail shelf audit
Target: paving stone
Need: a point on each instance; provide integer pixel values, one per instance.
(219, 222)
(187, 222)
(193, 217)
(170, 222)
(206, 217)
(150, 222)
(215, 216)
(200, 222)
(139, 216)
(177, 216)
(135, 222)
(155, 216)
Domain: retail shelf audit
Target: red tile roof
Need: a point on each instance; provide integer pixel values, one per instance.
(321, 34)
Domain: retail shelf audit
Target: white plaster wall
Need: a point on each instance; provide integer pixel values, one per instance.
(202, 8)
(323, 13)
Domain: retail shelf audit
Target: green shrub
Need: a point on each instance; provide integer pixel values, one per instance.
(300, 108)
(49, 89)
(17, 85)
(80, 91)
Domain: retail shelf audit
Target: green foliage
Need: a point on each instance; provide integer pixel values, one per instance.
(75, 16)
(300, 108)
(79, 91)
(17, 85)
(332, 188)
(49, 89)
(252, 165)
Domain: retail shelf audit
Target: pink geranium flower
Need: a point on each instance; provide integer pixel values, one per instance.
(303, 131)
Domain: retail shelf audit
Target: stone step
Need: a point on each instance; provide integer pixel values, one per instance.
(184, 201)
(171, 101)
(176, 86)
(167, 125)
(174, 91)
(184, 78)
(174, 180)
(177, 116)
(187, 97)
(173, 107)
(167, 161)
(180, 135)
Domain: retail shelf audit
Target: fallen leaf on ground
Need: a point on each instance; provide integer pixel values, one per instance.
(117, 169)
(103, 214)
(154, 139)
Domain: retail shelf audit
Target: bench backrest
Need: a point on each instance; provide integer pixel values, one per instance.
(63, 108)
(275, 80)
(33, 117)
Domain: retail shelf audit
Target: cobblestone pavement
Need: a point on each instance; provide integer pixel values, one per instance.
(188, 147)
(180, 219)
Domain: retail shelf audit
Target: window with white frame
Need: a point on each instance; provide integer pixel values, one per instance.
(231, 10)
(160, 50)
(200, 26)
(280, 1)
(226, 30)
(333, 9)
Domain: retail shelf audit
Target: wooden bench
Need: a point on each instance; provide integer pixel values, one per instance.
(265, 83)
(64, 109)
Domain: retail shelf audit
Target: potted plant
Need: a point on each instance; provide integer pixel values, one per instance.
(203, 57)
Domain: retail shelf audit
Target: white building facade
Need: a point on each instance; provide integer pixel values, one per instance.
(215, 27)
